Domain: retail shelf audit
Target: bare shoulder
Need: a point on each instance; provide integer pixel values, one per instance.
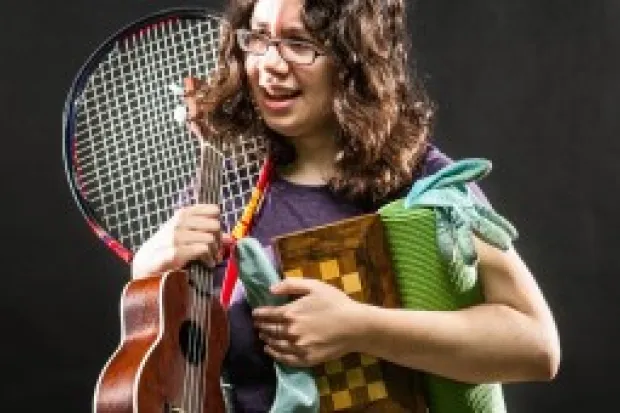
(506, 279)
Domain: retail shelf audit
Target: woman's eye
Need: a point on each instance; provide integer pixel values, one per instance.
(300, 40)
(300, 44)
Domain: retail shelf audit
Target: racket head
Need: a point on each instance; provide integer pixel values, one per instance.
(125, 157)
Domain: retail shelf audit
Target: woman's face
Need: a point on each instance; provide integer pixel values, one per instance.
(293, 99)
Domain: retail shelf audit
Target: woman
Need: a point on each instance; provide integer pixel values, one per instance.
(325, 82)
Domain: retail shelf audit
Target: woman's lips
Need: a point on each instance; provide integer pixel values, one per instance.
(279, 102)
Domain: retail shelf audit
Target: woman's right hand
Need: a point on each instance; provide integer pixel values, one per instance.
(192, 233)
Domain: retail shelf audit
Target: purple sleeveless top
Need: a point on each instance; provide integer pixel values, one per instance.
(287, 207)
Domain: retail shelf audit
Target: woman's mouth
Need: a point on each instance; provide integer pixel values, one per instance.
(279, 101)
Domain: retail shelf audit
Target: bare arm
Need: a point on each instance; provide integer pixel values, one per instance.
(511, 337)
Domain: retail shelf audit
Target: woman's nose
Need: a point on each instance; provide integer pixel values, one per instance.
(272, 60)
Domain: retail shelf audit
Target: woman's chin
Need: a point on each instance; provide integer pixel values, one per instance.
(286, 126)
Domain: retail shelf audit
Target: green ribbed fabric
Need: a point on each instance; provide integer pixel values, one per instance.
(427, 282)
(424, 279)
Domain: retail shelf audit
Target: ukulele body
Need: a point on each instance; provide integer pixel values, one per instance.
(154, 370)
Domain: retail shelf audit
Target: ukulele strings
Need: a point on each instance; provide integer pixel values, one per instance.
(189, 386)
(208, 190)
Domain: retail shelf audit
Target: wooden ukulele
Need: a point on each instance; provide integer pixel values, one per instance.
(174, 333)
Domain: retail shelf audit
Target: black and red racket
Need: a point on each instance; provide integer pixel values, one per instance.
(126, 158)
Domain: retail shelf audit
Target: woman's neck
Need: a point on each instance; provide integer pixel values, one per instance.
(314, 164)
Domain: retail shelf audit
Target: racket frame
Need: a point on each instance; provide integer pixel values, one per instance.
(77, 87)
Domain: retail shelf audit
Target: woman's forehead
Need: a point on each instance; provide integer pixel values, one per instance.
(278, 15)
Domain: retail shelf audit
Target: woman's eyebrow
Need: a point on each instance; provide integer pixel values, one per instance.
(288, 30)
(295, 30)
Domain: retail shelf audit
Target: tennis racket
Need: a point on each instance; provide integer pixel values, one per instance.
(129, 163)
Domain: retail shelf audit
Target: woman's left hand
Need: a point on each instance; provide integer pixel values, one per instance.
(322, 324)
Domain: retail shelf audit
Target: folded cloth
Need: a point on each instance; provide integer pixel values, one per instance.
(296, 390)
(460, 214)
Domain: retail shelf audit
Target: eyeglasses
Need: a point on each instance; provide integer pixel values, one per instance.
(300, 52)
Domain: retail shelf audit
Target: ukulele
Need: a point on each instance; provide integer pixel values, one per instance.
(174, 330)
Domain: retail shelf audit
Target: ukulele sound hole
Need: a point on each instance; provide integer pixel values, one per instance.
(192, 341)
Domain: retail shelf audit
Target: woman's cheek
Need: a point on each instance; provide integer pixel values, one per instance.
(251, 67)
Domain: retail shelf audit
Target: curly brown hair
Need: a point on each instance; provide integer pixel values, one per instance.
(382, 110)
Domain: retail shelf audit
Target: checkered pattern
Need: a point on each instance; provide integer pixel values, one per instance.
(355, 379)
(341, 272)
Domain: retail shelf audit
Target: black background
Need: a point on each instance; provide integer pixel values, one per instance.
(532, 85)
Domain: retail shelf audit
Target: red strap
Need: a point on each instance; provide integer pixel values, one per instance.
(230, 277)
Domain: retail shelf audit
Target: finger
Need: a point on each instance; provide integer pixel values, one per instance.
(281, 345)
(294, 286)
(208, 210)
(204, 210)
(268, 315)
(290, 359)
(198, 223)
(273, 330)
(201, 223)
(184, 237)
(204, 246)
(192, 252)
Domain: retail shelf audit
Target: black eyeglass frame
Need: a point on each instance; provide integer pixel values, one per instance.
(277, 41)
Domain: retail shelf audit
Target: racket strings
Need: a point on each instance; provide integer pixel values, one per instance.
(134, 159)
